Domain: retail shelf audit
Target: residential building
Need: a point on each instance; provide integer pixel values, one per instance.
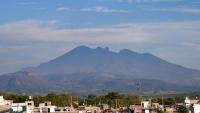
(65, 109)
(136, 108)
(18, 108)
(196, 108)
(46, 107)
(30, 105)
(189, 102)
(145, 104)
(5, 102)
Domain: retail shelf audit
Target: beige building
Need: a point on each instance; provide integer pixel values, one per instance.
(30, 105)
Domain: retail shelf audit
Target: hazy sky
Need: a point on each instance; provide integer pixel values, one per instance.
(35, 31)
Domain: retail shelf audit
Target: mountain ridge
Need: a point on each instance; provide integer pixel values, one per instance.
(102, 69)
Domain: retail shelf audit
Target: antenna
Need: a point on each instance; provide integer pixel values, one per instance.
(139, 86)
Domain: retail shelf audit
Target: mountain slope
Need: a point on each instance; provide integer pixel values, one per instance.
(27, 82)
(126, 62)
(84, 69)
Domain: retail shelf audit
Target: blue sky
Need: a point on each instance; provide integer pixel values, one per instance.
(35, 31)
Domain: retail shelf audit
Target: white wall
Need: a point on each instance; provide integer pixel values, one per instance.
(2, 101)
(196, 108)
(18, 106)
(146, 111)
(145, 104)
(45, 108)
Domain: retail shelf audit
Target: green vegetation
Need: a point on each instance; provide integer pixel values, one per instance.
(159, 111)
(182, 109)
(168, 101)
(15, 97)
(113, 99)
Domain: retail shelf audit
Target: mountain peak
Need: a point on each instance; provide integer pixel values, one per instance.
(127, 52)
(83, 47)
(88, 49)
(101, 48)
(79, 50)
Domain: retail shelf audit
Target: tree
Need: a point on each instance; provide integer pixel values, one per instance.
(182, 109)
(179, 99)
(169, 101)
(92, 99)
(38, 99)
(59, 99)
(132, 99)
(112, 98)
(159, 111)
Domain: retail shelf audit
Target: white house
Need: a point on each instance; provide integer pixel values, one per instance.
(189, 102)
(1, 100)
(65, 109)
(47, 107)
(5, 102)
(145, 104)
(196, 108)
(30, 105)
(18, 107)
(27, 107)
(145, 111)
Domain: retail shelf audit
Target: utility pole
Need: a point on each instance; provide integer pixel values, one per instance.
(139, 87)
(77, 101)
(162, 101)
(150, 102)
(71, 101)
(84, 102)
(116, 103)
(100, 102)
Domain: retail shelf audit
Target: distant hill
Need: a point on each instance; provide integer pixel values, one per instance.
(84, 70)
